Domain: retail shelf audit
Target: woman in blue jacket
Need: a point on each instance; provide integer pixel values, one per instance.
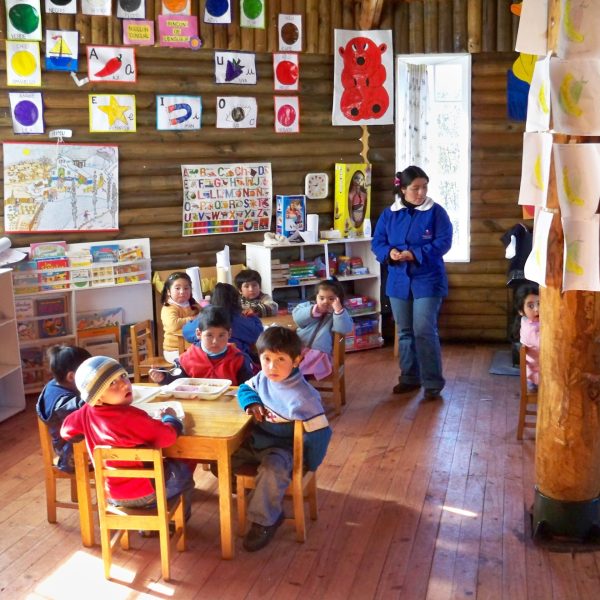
(411, 238)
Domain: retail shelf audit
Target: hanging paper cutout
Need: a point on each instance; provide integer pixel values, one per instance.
(538, 102)
(27, 112)
(23, 20)
(536, 264)
(138, 33)
(62, 50)
(112, 64)
(236, 113)
(289, 28)
(537, 148)
(286, 71)
(23, 64)
(101, 8)
(178, 31)
(252, 13)
(112, 113)
(228, 198)
(363, 87)
(176, 7)
(577, 167)
(217, 11)
(287, 114)
(178, 112)
(131, 9)
(235, 67)
(581, 269)
(579, 27)
(532, 35)
(63, 7)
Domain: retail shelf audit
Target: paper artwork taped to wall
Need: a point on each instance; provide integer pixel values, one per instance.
(131, 9)
(112, 64)
(176, 7)
(287, 114)
(112, 113)
(363, 82)
(286, 71)
(62, 7)
(532, 35)
(577, 167)
(252, 13)
(236, 112)
(23, 64)
(99, 8)
(138, 32)
(62, 50)
(60, 187)
(178, 113)
(538, 98)
(23, 20)
(27, 111)
(289, 28)
(229, 198)
(575, 89)
(235, 67)
(537, 149)
(178, 31)
(578, 31)
(535, 266)
(217, 11)
(581, 270)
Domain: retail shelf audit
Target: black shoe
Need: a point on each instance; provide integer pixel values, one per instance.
(432, 393)
(260, 535)
(403, 388)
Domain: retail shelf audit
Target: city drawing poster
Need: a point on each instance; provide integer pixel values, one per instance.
(60, 187)
(229, 198)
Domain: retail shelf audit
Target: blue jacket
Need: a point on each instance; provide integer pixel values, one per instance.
(427, 232)
(307, 324)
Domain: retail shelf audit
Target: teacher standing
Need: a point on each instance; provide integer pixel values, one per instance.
(411, 238)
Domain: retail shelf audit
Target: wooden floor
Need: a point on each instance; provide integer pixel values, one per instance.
(417, 500)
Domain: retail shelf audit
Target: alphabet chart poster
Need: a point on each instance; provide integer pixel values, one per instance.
(229, 198)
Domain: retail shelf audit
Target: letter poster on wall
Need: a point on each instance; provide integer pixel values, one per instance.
(231, 198)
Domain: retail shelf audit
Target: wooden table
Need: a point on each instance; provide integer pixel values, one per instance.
(283, 320)
(213, 430)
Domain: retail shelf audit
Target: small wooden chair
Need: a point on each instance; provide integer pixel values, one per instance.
(527, 398)
(335, 383)
(122, 520)
(143, 351)
(302, 488)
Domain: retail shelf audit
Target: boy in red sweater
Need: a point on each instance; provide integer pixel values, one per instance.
(215, 357)
(108, 419)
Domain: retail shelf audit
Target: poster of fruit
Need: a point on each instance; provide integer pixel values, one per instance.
(235, 67)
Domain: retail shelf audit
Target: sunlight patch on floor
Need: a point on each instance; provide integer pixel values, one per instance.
(460, 511)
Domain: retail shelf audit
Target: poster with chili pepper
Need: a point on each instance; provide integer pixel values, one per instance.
(100, 8)
(113, 64)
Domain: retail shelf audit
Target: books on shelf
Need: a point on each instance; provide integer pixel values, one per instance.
(105, 253)
(80, 264)
(40, 250)
(33, 366)
(24, 308)
(27, 331)
(52, 274)
(55, 322)
(25, 278)
(107, 317)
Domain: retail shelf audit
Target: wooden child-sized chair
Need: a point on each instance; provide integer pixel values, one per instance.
(334, 385)
(143, 350)
(302, 488)
(122, 520)
(528, 403)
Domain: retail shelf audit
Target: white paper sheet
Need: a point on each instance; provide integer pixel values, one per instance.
(7, 254)
(532, 36)
(194, 273)
(537, 149)
(538, 99)
(579, 27)
(581, 270)
(535, 266)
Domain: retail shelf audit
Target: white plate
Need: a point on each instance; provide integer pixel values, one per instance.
(197, 388)
(154, 408)
(142, 393)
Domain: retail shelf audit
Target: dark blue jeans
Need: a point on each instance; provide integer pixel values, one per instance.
(419, 341)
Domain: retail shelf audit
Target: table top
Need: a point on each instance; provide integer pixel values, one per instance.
(283, 320)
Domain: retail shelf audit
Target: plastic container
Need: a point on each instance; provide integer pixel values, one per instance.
(197, 388)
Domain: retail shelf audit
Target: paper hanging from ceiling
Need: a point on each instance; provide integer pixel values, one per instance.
(536, 264)
(579, 27)
(538, 98)
(537, 150)
(532, 35)
(581, 268)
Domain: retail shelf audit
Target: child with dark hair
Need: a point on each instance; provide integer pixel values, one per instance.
(316, 323)
(60, 397)
(254, 301)
(527, 301)
(178, 308)
(213, 357)
(276, 397)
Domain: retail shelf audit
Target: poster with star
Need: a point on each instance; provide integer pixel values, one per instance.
(235, 67)
(289, 28)
(23, 64)
(287, 114)
(27, 111)
(61, 7)
(60, 187)
(227, 198)
(113, 64)
(23, 20)
(98, 8)
(581, 270)
(286, 71)
(178, 113)
(217, 11)
(112, 113)
(236, 112)
(62, 50)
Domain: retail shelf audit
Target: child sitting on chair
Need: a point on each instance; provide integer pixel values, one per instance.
(215, 357)
(108, 419)
(527, 300)
(254, 301)
(275, 397)
(316, 323)
(60, 398)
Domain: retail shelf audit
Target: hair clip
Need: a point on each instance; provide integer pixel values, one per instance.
(397, 182)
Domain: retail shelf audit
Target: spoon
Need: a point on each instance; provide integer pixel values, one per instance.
(175, 371)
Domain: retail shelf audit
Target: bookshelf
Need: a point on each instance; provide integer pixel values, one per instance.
(49, 302)
(12, 393)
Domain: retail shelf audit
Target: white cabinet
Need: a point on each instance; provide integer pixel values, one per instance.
(12, 394)
(272, 262)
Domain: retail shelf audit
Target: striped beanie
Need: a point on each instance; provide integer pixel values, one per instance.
(94, 375)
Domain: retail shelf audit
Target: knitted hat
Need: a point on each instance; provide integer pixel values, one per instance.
(94, 375)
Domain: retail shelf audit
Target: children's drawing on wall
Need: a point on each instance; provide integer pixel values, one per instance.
(252, 13)
(131, 9)
(289, 28)
(62, 49)
(535, 265)
(23, 64)
(581, 255)
(99, 8)
(23, 20)
(287, 114)
(217, 11)
(235, 68)
(537, 149)
(363, 83)
(112, 113)
(63, 7)
(111, 64)
(579, 26)
(235, 112)
(60, 187)
(538, 99)
(27, 112)
(178, 112)
(176, 7)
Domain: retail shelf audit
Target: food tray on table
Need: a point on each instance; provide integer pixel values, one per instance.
(143, 393)
(154, 409)
(196, 388)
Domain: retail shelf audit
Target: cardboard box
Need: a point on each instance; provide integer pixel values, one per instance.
(290, 215)
(352, 198)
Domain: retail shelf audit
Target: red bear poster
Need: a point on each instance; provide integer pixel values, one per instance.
(363, 92)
